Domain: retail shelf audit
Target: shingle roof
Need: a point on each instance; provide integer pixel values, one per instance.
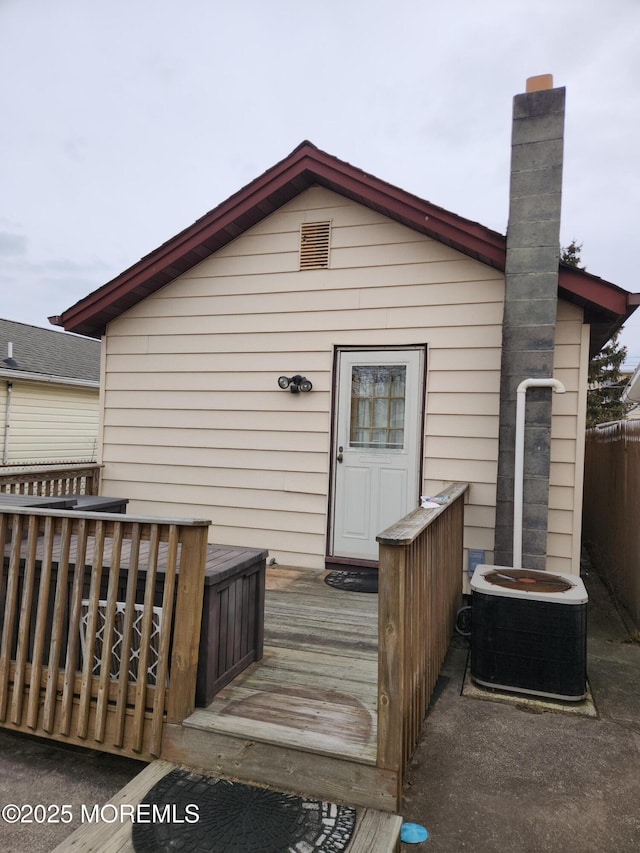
(49, 352)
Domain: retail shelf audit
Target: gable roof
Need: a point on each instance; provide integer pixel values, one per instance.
(48, 353)
(606, 305)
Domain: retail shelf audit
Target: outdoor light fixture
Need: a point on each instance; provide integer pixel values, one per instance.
(294, 383)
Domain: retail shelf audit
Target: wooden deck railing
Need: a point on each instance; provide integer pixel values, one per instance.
(100, 625)
(67, 480)
(419, 590)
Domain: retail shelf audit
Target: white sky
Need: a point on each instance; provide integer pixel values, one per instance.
(123, 121)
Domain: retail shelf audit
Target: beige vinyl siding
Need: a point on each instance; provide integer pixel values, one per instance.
(51, 423)
(571, 362)
(567, 442)
(195, 425)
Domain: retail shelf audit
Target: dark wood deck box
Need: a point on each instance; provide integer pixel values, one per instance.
(232, 629)
(99, 503)
(232, 633)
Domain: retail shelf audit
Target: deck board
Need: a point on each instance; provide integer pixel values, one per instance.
(106, 837)
(316, 687)
(305, 667)
(374, 830)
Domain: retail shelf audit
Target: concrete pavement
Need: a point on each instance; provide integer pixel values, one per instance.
(489, 776)
(35, 772)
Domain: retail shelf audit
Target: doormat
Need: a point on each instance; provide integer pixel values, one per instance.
(365, 580)
(237, 818)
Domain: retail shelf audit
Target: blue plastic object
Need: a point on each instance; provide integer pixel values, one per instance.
(476, 558)
(413, 833)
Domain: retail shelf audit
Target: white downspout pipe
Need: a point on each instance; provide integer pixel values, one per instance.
(518, 473)
(7, 424)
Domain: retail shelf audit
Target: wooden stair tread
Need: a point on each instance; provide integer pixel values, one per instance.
(374, 830)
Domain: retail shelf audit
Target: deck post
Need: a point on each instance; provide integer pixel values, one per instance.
(391, 661)
(188, 617)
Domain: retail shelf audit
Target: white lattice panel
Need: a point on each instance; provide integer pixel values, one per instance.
(116, 647)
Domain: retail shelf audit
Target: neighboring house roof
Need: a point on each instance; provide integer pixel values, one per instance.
(631, 393)
(48, 355)
(606, 305)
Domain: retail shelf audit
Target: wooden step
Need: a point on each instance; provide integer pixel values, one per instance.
(375, 831)
(105, 837)
(298, 771)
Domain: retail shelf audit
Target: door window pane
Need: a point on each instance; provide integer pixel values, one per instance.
(396, 414)
(364, 413)
(378, 406)
(380, 412)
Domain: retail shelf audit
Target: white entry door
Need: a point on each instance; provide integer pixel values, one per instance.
(377, 445)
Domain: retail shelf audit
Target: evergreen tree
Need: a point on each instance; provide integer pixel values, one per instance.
(605, 382)
(571, 255)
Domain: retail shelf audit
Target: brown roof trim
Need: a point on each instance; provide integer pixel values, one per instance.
(304, 167)
(470, 237)
(584, 286)
(606, 306)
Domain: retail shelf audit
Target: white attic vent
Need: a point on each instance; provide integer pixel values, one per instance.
(314, 245)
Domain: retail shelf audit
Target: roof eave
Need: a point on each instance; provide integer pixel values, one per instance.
(607, 307)
(47, 378)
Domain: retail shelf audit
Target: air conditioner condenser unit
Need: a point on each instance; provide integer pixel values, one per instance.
(529, 632)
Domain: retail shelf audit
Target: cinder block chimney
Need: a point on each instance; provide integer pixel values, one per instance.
(530, 308)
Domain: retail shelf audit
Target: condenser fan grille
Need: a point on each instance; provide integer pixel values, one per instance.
(526, 580)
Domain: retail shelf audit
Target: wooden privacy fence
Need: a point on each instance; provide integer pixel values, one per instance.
(419, 591)
(611, 507)
(100, 625)
(67, 480)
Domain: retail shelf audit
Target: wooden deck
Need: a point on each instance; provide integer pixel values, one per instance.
(316, 687)
(301, 720)
(332, 711)
(304, 718)
(335, 707)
